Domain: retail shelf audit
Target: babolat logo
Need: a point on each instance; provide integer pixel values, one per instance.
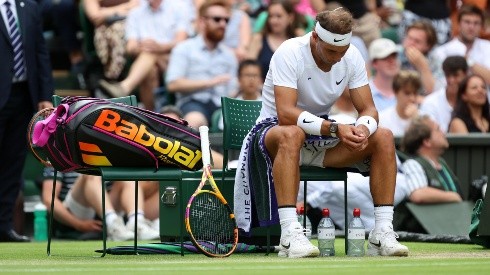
(111, 121)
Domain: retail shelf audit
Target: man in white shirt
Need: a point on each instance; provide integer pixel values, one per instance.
(439, 105)
(383, 54)
(306, 76)
(467, 44)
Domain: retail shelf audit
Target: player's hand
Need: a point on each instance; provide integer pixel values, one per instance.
(354, 138)
(89, 225)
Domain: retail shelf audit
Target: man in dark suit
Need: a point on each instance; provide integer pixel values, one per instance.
(26, 85)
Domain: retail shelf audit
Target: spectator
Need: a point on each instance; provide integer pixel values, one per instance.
(436, 12)
(152, 31)
(472, 111)
(238, 31)
(440, 104)
(278, 29)
(407, 86)
(64, 16)
(109, 20)
(417, 54)
(383, 54)
(26, 86)
(203, 69)
(428, 178)
(467, 43)
(79, 199)
(302, 23)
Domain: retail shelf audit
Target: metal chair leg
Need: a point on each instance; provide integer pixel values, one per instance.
(51, 214)
(136, 218)
(345, 215)
(104, 224)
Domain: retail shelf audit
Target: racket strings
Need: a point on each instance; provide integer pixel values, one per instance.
(211, 224)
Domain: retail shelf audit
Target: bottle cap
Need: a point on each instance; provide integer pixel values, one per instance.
(326, 212)
(40, 207)
(357, 212)
(301, 210)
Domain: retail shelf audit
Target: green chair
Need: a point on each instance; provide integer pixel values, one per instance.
(238, 117)
(127, 174)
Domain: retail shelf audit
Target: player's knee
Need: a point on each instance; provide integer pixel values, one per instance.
(293, 137)
(384, 137)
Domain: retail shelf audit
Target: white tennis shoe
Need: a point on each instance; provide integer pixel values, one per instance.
(294, 243)
(145, 230)
(384, 243)
(117, 231)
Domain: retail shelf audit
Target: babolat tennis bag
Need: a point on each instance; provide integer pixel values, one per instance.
(87, 132)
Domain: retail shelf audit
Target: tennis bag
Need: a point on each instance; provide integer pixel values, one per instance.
(85, 132)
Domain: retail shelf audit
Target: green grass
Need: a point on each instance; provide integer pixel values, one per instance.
(79, 257)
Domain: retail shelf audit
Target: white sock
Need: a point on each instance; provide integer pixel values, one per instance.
(110, 217)
(132, 216)
(287, 215)
(383, 217)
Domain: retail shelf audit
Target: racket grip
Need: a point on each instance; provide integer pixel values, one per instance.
(206, 155)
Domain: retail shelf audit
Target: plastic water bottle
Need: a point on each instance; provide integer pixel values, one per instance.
(326, 235)
(40, 223)
(301, 217)
(356, 235)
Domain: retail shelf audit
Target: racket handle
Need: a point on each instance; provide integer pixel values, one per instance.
(206, 155)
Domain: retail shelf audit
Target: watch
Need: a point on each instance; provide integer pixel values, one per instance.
(334, 127)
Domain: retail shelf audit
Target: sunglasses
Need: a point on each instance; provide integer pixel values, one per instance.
(218, 19)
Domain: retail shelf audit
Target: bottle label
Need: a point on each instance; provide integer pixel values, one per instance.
(326, 233)
(356, 234)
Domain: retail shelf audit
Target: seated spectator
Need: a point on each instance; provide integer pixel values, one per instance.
(279, 28)
(436, 12)
(238, 31)
(472, 111)
(202, 69)
(302, 23)
(407, 86)
(109, 20)
(418, 42)
(78, 202)
(468, 43)
(383, 55)
(152, 30)
(440, 104)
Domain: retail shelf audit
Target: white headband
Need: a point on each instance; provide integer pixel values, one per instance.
(332, 38)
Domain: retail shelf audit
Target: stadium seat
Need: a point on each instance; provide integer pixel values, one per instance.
(238, 117)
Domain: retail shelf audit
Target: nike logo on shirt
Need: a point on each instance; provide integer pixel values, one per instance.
(338, 82)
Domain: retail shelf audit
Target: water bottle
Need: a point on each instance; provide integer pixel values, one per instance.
(326, 235)
(40, 223)
(301, 217)
(356, 235)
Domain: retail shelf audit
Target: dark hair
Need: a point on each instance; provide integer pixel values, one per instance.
(338, 21)
(453, 64)
(248, 62)
(428, 28)
(471, 10)
(461, 109)
(407, 78)
(209, 3)
(418, 131)
(299, 20)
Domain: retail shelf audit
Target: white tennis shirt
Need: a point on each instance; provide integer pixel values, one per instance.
(293, 66)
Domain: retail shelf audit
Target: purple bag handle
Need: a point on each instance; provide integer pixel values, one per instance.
(44, 128)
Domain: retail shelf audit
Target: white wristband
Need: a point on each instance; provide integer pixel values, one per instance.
(310, 123)
(369, 122)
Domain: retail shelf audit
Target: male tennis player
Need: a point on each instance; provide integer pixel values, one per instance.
(306, 76)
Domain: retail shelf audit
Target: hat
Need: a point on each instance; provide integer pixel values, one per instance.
(381, 48)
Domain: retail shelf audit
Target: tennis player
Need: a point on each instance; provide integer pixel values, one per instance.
(307, 75)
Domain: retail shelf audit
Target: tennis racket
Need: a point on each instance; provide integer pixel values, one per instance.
(208, 218)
